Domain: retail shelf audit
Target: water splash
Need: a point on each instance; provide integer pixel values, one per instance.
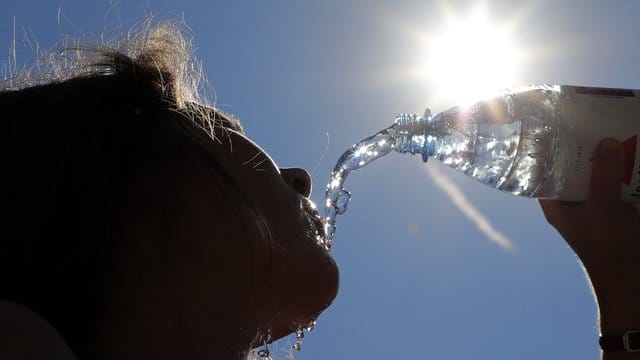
(265, 353)
(300, 332)
(297, 346)
(358, 155)
(310, 326)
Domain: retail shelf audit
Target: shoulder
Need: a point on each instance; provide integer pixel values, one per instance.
(26, 335)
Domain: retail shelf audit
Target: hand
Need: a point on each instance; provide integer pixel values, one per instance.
(605, 234)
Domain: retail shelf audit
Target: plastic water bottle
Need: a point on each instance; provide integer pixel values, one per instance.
(533, 142)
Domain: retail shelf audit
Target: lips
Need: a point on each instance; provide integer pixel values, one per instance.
(310, 208)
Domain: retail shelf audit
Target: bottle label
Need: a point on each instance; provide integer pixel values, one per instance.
(591, 115)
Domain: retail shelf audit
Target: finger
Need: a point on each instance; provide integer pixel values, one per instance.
(548, 208)
(552, 212)
(554, 208)
(561, 215)
(606, 173)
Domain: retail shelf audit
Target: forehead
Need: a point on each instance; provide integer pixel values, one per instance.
(222, 119)
(225, 141)
(230, 122)
(245, 153)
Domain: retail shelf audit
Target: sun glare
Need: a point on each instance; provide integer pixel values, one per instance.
(470, 58)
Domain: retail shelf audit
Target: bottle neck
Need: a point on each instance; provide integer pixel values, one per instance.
(412, 134)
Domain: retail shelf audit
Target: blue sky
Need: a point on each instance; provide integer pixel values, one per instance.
(308, 79)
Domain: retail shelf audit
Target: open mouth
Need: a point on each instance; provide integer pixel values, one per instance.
(310, 208)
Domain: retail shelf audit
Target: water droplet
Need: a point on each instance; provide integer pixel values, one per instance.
(299, 333)
(330, 231)
(297, 346)
(328, 243)
(311, 325)
(343, 200)
(263, 353)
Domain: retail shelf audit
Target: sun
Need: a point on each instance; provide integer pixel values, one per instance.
(470, 58)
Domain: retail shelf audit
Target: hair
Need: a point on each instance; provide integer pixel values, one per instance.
(77, 128)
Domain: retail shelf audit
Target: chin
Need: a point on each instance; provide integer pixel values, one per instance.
(309, 284)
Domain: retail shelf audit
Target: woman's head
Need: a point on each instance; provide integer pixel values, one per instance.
(136, 219)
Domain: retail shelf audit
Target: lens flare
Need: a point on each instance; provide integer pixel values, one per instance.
(470, 58)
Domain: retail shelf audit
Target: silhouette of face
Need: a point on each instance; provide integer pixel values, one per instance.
(217, 249)
(300, 278)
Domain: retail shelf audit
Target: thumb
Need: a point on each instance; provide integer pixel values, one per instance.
(606, 172)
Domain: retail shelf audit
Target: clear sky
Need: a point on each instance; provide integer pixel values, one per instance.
(310, 78)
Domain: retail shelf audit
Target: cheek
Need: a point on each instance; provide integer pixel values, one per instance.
(214, 252)
(303, 284)
(303, 278)
(218, 256)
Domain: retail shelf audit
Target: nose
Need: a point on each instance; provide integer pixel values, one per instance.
(299, 179)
